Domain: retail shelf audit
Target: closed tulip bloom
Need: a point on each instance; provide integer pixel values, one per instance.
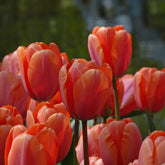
(152, 149)
(39, 66)
(9, 117)
(84, 88)
(119, 142)
(149, 89)
(13, 92)
(35, 147)
(112, 45)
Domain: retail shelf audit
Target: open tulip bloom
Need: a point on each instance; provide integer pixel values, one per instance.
(42, 92)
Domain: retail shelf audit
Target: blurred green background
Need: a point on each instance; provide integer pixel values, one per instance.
(25, 21)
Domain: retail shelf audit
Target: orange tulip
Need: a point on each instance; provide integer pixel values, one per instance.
(36, 146)
(84, 88)
(40, 65)
(149, 89)
(112, 45)
(12, 92)
(57, 118)
(152, 149)
(119, 142)
(9, 117)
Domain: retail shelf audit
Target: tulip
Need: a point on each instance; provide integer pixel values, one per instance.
(9, 117)
(152, 149)
(84, 88)
(119, 142)
(112, 45)
(13, 92)
(10, 63)
(93, 143)
(39, 66)
(36, 146)
(57, 118)
(149, 89)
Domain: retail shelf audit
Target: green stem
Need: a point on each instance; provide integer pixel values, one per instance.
(150, 121)
(76, 137)
(85, 142)
(117, 110)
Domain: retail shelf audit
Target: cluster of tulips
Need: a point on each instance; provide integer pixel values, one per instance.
(41, 92)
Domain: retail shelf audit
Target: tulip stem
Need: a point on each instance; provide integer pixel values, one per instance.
(76, 137)
(150, 121)
(117, 110)
(85, 142)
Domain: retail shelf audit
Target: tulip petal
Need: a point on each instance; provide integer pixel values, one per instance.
(91, 92)
(27, 150)
(95, 49)
(146, 152)
(106, 38)
(43, 74)
(131, 135)
(4, 131)
(61, 125)
(108, 149)
(155, 96)
(121, 52)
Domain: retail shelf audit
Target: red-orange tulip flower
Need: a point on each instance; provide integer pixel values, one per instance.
(85, 88)
(9, 116)
(93, 143)
(36, 146)
(57, 118)
(152, 149)
(112, 45)
(40, 65)
(12, 92)
(119, 142)
(149, 89)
